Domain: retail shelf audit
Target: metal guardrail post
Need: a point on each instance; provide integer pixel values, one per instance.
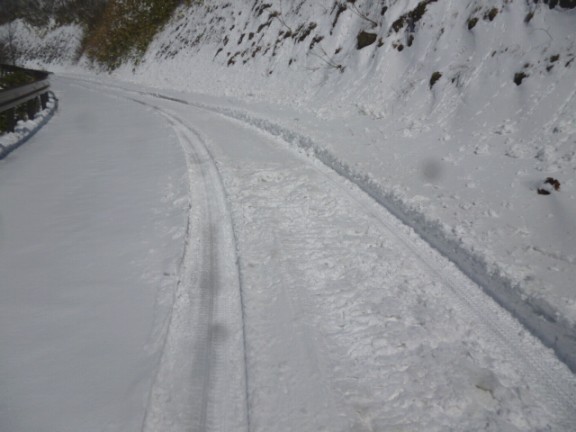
(44, 100)
(32, 108)
(10, 119)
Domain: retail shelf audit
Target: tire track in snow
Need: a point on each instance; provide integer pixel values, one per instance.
(218, 407)
(201, 381)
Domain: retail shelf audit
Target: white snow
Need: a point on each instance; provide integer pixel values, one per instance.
(92, 217)
(351, 320)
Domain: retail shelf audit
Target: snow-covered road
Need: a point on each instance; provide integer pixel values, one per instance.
(166, 268)
(92, 219)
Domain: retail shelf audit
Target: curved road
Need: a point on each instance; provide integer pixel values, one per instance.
(167, 268)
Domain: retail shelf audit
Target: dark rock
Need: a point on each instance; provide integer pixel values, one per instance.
(365, 39)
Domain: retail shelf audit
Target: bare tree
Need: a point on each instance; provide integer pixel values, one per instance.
(11, 43)
(3, 52)
(7, 40)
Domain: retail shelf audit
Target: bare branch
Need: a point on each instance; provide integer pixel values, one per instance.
(362, 15)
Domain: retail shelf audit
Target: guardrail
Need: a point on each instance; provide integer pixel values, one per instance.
(32, 96)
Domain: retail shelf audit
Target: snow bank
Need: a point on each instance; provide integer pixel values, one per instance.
(26, 129)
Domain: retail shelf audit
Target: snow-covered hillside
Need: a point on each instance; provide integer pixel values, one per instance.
(450, 113)
(44, 46)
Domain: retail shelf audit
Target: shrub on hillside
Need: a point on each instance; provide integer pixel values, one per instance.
(15, 79)
(125, 29)
(568, 4)
(39, 13)
(434, 78)
(365, 39)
